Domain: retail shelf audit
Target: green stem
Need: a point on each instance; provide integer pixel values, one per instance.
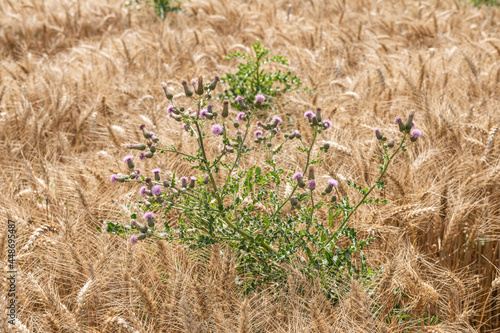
(346, 219)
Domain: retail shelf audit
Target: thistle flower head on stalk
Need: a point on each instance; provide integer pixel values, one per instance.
(156, 190)
(217, 129)
(415, 134)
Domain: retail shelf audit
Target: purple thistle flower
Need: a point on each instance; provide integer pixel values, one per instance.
(192, 182)
(308, 114)
(184, 181)
(332, 182)
(260, 98)
(157, 170)
(133, 239)
(277, 120)
(205, 179)
(138, 173)
(241, 116)
(142, 156)
(113, 178)
(258, 133)
(203, 113)
(297, 176)
(128, 158)
(398, 120)
(152, 134)
(416, 134)
(217, 129)
(143, 190)
(239, 99)
(193, 178)
(156, 190)
(149, 215)
(311, 184)
(327, 123)
(170, 109)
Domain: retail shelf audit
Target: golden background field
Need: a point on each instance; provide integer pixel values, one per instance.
(77, 78)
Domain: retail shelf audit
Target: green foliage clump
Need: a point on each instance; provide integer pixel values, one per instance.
(251, 79)
(161, 7)
(479, 3)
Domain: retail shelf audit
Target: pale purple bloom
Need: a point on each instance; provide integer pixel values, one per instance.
(138, 173)
(297, 176)
(398, 120)
(259, 123)
(143, 190)
(277, 128)
(239, 99)
(416, 133)
(240, 116)
(217, 129)
(239, 132)
(113, 178)
(157, 170)
(133, 239)
(170, 109)
(328, 123)
(308, 114)
(277, 119)
(260, 98)
(184, 179)
(203, 113)
(258, 133)
(296, 132)
(156, 190)
(332, 182)
(152, 134)
(311, 184)
(128, 158)
(149, 215)
(142, 156)
(193, 178)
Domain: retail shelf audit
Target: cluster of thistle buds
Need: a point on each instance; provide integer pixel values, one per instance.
(315, 119)
(404, 127)
(311, 185)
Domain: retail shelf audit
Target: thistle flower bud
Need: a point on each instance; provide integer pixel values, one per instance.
(236, 125)
(128, 160)
(290, 136)
(209, 108)
(311, 184)
(326, 146)
(166, 183)
(274, 131)
(409, 122)
(334, 198)
(318, 114)
(213, 85)
(142, 236)
(119, 178)
(138, 146)
(259, 99)
(241, 103)
(297, 134)
(199, 90)
(145, 132)
(184, 182)
(149, 216)
(415, 134)
(187, 91)
(192, 182)
(311, 173)
(152, 148)
(293, 201)
(206, 179)
(149, 155)
(390, 144)
(168, 94)
(378, 134)
(314, 120)
(225, 109)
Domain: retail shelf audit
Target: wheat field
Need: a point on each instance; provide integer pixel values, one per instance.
(77, 78)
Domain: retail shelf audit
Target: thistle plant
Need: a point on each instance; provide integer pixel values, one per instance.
(245, 207)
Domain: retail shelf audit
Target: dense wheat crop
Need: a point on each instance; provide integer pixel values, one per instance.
(78, 77)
